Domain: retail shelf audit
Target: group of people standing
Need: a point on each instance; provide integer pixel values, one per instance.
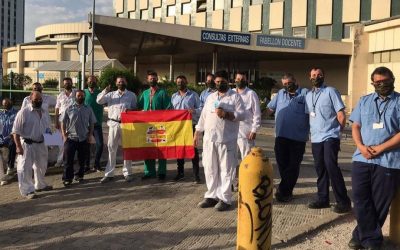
(376, 133)
(228, 120)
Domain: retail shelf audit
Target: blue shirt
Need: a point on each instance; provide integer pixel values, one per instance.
(291, 119)
(190, 100)
(323, 104)
(7, 118)
(203, 96)
(366, 114)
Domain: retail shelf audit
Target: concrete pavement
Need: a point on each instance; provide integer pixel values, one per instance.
(150, 214)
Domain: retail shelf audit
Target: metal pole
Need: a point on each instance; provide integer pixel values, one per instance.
(83, 60)
(92, 62)
(171, 68)
(215, 62)
(11, 81)
(135, 66)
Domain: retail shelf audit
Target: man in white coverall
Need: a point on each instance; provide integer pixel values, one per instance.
(252, 119)
(219, 121)
(29, 126)
(118, 101)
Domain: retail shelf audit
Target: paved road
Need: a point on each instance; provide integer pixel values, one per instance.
(148, 214)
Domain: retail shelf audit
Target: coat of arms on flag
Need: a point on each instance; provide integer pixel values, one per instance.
(159, 134)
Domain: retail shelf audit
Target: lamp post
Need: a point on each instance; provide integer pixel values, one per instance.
(92, 61)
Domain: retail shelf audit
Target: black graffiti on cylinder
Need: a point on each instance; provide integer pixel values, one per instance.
(251, 216)
(262, 195)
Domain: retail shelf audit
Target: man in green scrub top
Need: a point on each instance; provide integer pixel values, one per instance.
(154, 98)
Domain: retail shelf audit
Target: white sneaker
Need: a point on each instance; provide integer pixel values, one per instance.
(31, 196)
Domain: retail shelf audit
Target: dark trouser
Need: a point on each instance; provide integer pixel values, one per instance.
(98, 136)
(195, 162)
(289, 154)
(70, 147)
(326, 165)
(373, 190)
(12, 153)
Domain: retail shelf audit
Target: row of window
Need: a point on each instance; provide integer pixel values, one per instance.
(387, 56)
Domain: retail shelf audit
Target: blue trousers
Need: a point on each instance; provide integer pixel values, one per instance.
(289, 154)
(374, 187)
(326, 165)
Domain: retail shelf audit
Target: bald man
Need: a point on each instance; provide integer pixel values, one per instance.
(30, 124)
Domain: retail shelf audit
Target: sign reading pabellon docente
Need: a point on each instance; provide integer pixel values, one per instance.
(225, 37)
(280, 42)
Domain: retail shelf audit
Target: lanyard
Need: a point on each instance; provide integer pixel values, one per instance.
(380, 113)
(315, 103)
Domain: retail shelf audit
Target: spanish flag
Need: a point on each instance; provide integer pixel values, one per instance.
(159, 134)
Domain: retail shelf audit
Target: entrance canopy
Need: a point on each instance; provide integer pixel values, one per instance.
(154, 42)
(76, 66)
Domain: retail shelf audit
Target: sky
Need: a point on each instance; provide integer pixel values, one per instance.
(42, 12)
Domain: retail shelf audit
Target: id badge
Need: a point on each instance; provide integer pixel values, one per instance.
(377, 125)
(312, 114)
(216, 104)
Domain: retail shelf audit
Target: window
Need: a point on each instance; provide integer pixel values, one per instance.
(144, 14)
(201, 6)
(171, 10)
(218, 5)
(237, 3)
(276, 32)
(299, 32)
(347, 30)
(131, 14)
(324, 32)
(186, 8)
(274, 1)
(12, 65)
(254, 2)
(157, 12)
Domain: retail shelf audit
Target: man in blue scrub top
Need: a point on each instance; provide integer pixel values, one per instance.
(376, 164)
(291, 131)
(327, 118)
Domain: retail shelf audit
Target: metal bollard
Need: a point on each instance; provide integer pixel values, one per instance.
(394, 231)
(255, 202)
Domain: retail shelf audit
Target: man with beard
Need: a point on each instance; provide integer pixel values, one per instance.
(64, 100)
(76, 127)
(219, 121)
(187, 100)
(29, 126)
(252, 120)
(327, 118)
(375, 171)
(154, 98)
(209, 90)
(91, 94)
(118, 101)
(291, 133)
(7, 145)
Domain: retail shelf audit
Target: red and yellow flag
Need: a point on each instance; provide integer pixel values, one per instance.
(159, 134)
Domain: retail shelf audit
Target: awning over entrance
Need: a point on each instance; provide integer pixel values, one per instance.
(76, 66)
(153, 42)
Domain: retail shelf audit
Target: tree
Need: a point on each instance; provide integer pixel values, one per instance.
(109, 75)
(19, 80)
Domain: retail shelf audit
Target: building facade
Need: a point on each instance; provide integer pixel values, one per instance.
(54, 43)
(12, 20)
(371, 27)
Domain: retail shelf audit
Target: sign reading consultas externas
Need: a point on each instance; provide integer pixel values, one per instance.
(280, 42)
(225, 37)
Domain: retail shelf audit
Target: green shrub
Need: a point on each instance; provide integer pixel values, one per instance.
(50, 83)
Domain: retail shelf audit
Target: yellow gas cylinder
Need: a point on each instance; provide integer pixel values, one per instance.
(394, 232)
(255, 202)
